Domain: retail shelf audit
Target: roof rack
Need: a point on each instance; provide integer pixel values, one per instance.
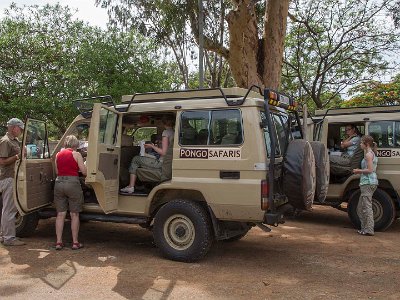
(154, 95)
(357, 110)
(85, 105)
(232, 99)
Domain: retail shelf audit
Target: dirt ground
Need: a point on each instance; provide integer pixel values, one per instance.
(318, 255)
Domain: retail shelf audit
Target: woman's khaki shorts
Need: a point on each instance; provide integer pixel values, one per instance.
(68, 194)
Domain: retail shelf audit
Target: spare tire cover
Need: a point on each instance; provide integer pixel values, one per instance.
(299, 174)
(321, 157)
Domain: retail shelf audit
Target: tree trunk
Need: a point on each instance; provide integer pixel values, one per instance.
(243, 44)
(255, 61)
(274, 39)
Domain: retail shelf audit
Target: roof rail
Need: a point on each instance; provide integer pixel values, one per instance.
(221, 92)
(85, 105)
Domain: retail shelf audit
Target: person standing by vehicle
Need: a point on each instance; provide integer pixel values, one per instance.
(9, 153)
(68, 193)
(368, 185)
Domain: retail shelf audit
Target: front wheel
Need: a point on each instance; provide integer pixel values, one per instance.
(382, 206)
(182, 231)
(26, 225)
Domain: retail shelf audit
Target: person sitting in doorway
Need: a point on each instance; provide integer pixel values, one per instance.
(341, 165)
(151, 162)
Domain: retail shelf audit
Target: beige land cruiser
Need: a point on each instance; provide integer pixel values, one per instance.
(383, 124)
(233, 165)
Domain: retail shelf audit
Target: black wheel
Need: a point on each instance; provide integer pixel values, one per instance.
(382, 205)
(322, 171)
(182, 231)
(26, 225)
(299, 174)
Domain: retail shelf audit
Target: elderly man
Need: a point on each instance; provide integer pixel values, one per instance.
(9, 154)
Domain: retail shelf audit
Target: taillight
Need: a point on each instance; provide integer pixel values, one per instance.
(264, 194)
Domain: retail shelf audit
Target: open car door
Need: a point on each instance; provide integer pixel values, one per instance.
(103, 155)
(34, 172)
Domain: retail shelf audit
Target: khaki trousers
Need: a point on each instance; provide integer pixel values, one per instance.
(364, 208)
(9, 210)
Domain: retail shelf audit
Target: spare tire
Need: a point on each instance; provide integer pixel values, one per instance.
(321, 157)
(299, 174)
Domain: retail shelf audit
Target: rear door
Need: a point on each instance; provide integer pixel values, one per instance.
(34, 172)
(104, 151)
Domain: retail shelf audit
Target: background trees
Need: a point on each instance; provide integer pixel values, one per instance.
(48, 59)
(253, 48)
(375, 93)
(333, 45)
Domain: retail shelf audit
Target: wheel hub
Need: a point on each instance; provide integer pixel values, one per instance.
(179, 232)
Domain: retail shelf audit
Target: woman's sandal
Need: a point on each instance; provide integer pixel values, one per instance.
(59, 246)
(76, 246)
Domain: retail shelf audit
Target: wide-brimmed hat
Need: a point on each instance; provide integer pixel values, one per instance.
(15, 122)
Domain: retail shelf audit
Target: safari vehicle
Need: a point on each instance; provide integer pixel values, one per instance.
(236, 167)
(383, 124)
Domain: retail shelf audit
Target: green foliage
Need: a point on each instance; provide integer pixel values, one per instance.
(174, 25)
(332, 45)
(48, 59)
(375, 93)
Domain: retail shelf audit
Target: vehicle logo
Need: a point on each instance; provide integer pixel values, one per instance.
(210, 153)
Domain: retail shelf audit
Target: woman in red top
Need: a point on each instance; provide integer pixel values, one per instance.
(68, 193)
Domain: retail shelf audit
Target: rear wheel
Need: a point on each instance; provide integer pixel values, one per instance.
(26, 225)
(382, 206)
(182, 231)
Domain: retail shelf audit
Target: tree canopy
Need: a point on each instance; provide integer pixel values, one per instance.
(48, 59)
(375, 93)
(253, 46)
(333, 45)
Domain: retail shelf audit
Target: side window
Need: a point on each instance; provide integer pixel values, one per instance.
(226, 127)
(385, 133)
(193, 129)
(108, 127)
(36, 140)
(144, 134)
(214, 127)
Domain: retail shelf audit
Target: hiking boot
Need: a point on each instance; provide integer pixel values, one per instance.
(14, 242)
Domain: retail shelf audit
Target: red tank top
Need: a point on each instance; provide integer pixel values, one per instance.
(66, 164)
